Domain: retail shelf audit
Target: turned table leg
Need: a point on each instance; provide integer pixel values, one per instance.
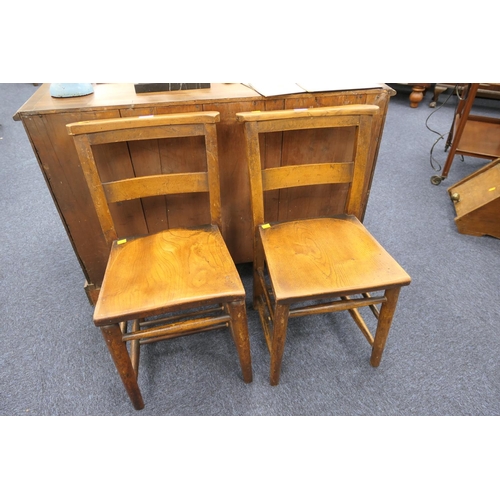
(417, 93)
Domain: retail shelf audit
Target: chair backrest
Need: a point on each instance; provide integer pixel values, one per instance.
(141, 183)
(353, 170)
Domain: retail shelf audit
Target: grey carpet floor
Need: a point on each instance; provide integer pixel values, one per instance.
(442, 355)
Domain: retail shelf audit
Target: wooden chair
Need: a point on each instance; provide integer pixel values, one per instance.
(332, 262)
(184, 273)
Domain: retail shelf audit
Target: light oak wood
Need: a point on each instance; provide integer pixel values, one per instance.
(329, 260)
(45, 119)
(186, 275)
(314, 258)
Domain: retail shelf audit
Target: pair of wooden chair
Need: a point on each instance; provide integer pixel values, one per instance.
(183, 280)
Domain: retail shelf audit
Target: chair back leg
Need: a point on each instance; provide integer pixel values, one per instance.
(239, 330)
(278, 341)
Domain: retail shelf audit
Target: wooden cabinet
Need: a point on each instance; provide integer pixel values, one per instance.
(45, 119)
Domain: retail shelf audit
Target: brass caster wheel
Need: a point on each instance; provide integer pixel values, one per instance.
(436, 180)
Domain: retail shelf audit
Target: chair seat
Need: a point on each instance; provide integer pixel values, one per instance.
(324, 257)
(153, 274)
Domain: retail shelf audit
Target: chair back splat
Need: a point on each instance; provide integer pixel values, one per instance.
(323, 264)
(167, 279)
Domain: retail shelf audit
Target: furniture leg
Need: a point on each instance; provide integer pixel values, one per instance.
(384, 324)
(461, 116)
(239, 331)
(278, 341)
(417, 94)
(118, 349)
(438, 90)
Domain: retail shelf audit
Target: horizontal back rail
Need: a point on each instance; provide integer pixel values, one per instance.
(137, 122)
(146, 134)
(345, 110)
(306, 175)
(307, 123)
(156, 185)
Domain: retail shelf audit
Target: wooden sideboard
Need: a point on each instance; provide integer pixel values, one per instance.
(45, 118)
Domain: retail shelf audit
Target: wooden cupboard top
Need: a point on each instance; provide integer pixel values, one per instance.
(120, 95)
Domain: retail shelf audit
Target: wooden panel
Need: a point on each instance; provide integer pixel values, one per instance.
(480, 137)
(157, 157)
(271, 149)
(235, 198)
(326, 145)
(477, 201)
(146, 159)
(60, 166)
(184, 155)
(114, 163)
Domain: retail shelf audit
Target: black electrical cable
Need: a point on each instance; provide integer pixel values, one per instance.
(441, 137)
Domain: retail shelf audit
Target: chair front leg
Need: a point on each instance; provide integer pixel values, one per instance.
(280, 325)
(239, 331)
(384, 324)
(118, 349)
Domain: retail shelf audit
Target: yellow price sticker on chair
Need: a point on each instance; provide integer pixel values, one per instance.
(492, 189)
(121, 242)
(265, 226)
